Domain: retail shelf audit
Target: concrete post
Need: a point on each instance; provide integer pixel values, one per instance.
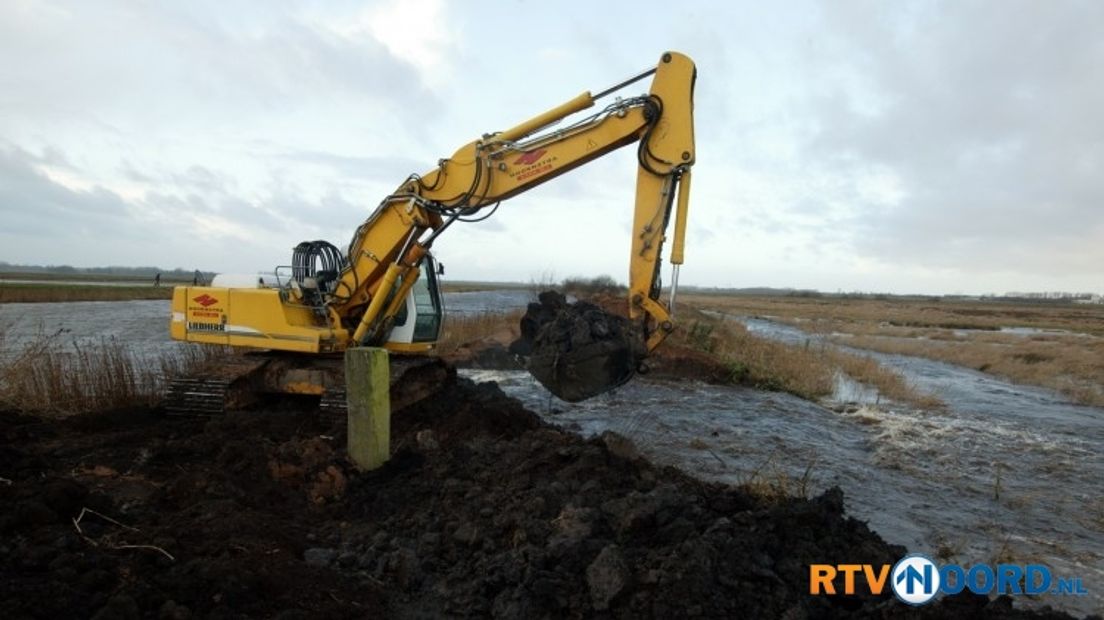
(368, 399)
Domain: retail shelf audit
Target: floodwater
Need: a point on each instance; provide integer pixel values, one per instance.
(144, 325)
(1004, 473)
(479, 302)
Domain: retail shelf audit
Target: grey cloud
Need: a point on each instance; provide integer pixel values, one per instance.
(132, 173)
(52, 157)
(701, 233)
(765, 222)
(182, 210)
(48, 222)
(198, 191)
(32, 204)
(151, 63)
(372, 168)
(991, 121)
(201, 179)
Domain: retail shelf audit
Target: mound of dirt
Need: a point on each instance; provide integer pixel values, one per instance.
(577, 350)
(483, 510)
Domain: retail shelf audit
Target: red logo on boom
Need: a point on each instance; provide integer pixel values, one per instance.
(531, 157)
(205, 300)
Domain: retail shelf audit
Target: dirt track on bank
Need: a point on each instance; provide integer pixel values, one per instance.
(483, 510)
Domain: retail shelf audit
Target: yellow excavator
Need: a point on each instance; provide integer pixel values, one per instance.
(384, 290)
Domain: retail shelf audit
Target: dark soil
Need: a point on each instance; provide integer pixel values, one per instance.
(577, 350)
(482, 511)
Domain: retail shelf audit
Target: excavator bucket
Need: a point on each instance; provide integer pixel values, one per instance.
(577, 350)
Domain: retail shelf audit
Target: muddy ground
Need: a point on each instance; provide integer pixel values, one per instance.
(483, 511)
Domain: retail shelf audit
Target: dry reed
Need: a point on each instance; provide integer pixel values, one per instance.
(49, 376)
(807, 370)
(1066, 355)
(900, 317)
(465, 329)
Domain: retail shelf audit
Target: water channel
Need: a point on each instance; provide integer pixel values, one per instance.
(1004, 472)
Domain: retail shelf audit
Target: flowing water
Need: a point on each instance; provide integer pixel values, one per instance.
(1003, 473)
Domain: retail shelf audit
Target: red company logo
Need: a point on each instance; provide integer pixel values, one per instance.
(531, 157)
(205, 300)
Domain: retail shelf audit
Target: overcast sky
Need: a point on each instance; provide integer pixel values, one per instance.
(858, 146)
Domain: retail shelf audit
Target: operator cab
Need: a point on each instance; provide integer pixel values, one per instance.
(316, 269)
(420, 319)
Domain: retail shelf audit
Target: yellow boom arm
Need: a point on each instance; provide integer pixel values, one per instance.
(364, 297)
(386, 249)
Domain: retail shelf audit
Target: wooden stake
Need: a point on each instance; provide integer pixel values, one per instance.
(368, 394)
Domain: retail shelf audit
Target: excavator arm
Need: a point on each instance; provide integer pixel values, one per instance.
(370, 295)
(387, 249)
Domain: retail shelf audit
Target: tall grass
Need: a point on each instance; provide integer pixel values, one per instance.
(963, 333)
(466, 329)
(50, 376)
(889, 382)
(808, 370)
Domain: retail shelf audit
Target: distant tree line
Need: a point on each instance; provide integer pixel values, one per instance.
(598, 285)
(763, 291)
(178, 273)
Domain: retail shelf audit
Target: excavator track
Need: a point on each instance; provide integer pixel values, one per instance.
(193, 396)
(332, 404)
(412, 379)
(215, 388)
(244, 379)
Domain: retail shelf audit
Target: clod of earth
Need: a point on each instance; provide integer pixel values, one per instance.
(577, 350)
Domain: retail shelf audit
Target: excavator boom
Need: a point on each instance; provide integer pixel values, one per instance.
(499, 166)
(364, 296)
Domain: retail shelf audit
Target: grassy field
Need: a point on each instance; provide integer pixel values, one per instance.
(19, 287)
(90, 277)
(899, 317)
(26, 292)
(1057, 346)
